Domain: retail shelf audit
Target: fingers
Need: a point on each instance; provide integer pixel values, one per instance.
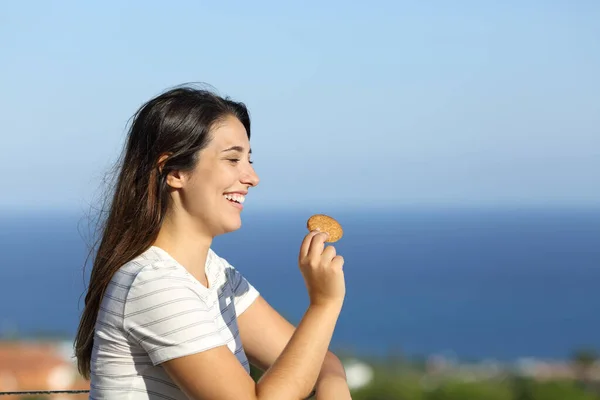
(306, 244)
(313, 249)
(337, 262)
(328, 254)
(317, 244)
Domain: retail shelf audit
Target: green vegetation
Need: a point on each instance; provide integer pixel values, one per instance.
(404, 382)
(401, 389)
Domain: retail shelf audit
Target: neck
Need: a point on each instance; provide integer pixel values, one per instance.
(186, 243)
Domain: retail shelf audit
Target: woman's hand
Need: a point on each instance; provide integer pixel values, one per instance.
(322, 269)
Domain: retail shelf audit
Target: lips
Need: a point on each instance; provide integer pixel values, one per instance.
(236, 199)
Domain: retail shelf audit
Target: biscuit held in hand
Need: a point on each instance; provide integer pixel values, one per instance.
(327, 224)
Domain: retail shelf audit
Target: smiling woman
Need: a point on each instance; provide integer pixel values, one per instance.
(165, 317)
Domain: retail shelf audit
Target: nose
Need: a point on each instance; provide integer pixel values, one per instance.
(250, 177)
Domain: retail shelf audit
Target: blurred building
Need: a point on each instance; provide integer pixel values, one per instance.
(39, 366)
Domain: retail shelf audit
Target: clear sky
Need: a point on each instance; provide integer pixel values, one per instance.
(368, 104)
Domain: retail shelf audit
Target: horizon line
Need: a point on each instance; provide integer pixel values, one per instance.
(353, 208)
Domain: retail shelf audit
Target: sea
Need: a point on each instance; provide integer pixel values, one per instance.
(474, 284)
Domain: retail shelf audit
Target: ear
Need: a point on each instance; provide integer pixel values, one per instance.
(175, 178)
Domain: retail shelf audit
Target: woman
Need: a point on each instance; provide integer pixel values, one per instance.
(167, 318)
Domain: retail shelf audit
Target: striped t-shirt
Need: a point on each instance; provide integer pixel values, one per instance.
(153, 311)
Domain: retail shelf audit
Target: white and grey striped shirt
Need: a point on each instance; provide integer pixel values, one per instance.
(153, 311)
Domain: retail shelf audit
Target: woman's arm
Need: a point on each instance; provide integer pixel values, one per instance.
(265, 333)
(216, 374)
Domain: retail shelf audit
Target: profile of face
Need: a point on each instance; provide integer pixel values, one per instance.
(212, 195)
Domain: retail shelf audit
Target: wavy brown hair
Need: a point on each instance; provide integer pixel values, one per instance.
(177, 123)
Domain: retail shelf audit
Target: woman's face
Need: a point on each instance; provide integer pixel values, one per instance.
(213, 193)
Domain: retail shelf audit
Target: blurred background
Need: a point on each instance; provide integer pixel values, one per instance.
(458, 144)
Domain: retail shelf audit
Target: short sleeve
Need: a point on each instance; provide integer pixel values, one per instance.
(244, 293)
(168, 319)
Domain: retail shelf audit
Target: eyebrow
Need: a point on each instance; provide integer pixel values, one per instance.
(236, 148)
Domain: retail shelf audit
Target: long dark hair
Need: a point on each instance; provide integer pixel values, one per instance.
(176, 123)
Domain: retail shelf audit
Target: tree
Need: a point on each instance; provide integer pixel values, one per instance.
(583, 360)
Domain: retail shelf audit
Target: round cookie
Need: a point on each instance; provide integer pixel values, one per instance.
(326, 224)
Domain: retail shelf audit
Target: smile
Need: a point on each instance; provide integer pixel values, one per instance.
(235, 197)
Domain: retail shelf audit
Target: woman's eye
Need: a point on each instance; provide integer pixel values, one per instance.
(237, 160)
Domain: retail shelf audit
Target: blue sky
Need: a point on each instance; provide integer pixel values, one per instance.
(382, 104)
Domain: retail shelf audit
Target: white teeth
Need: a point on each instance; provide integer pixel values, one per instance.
(238, 198)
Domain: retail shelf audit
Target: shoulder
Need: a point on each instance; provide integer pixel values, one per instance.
(242, 290)
(216, 260)
(153, 273)
(222, 265)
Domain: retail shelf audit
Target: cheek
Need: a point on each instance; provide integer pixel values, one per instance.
(200, 193)
(227, 177)
(209, 185)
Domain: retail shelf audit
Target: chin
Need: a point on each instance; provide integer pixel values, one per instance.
(231, 225)
(235, 227)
